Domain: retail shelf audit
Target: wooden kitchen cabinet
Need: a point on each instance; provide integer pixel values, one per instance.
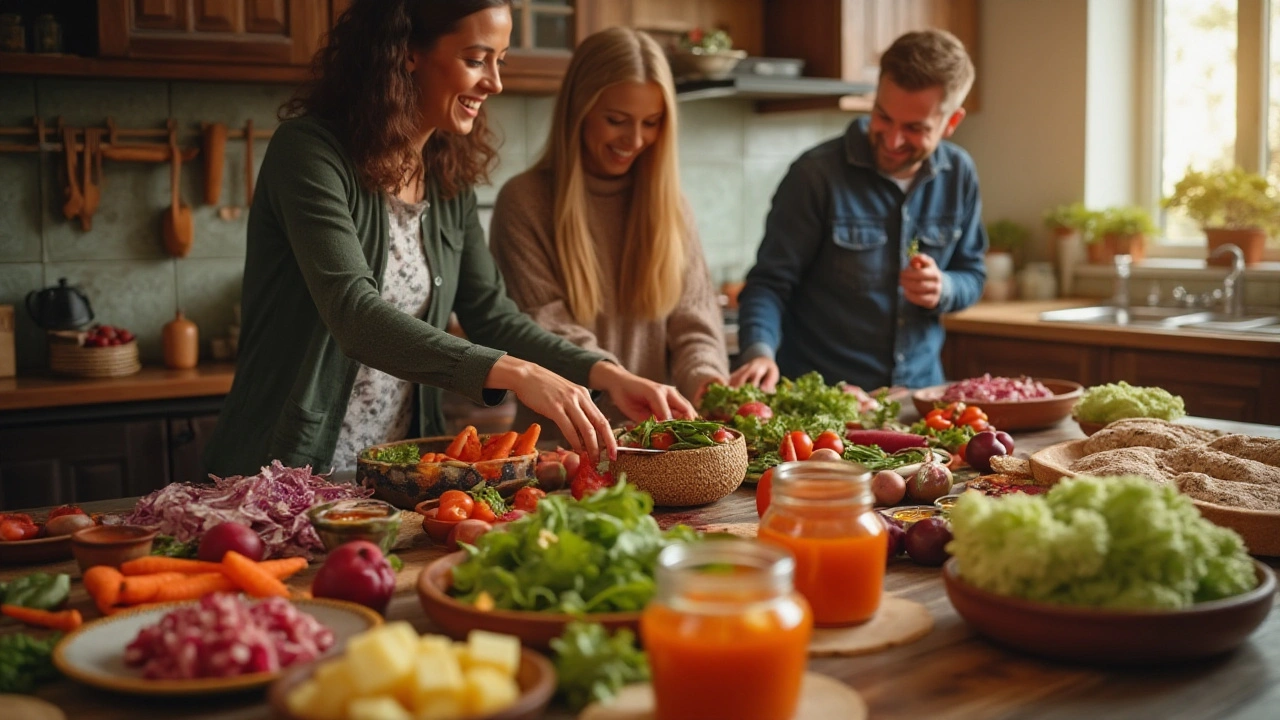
(241, 32)
(188, 436)
(56, 464)
(966, 356)
(844, 38)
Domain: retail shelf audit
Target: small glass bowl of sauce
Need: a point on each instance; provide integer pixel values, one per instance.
(342, 521)
(909, 515)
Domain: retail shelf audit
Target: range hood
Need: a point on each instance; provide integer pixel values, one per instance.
(766, 87)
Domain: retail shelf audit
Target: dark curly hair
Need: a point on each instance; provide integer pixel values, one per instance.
(363, 91)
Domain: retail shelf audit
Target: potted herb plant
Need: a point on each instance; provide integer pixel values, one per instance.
(1072, 227)
(704, 55)
(1231, 206)
(1124, 230)
(1005, 238)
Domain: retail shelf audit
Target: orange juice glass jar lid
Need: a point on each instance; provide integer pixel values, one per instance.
(726, 633)
(822, 512)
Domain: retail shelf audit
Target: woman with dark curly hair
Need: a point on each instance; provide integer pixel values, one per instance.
(362, 238)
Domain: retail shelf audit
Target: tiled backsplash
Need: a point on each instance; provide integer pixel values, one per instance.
(731, 161)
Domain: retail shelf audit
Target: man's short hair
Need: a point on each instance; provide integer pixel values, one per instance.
(925, 59)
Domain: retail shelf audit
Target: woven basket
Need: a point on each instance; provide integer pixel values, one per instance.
(69, 357)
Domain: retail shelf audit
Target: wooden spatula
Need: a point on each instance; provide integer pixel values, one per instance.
(75, 200)
(179, 228)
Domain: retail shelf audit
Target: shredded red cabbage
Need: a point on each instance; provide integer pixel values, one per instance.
(996, 389)
(274, 503)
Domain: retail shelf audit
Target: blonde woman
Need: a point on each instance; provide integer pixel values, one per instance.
(596, 241)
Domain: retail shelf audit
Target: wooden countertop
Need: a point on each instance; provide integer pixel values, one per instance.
(950, 673)
(1021, 319)
(151, 383)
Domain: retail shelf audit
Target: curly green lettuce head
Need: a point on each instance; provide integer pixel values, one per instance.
(1116, 542)
(1115, 401)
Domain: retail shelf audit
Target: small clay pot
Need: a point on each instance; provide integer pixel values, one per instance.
(181, 339)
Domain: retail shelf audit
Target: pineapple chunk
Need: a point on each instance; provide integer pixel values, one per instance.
(377, 708)
(434, 644)
(436, 676)
(379, 659)
(333, 691)
(442, 707)
(404, 633)
(302, 703)
(501, 652)
(462, 652)
(489, 690)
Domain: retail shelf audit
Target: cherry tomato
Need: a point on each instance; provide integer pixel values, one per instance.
(937, 420)
(829, 439)
(12, 530)
(662, 440)
(803, 444)
(456, 498)
(764, 492)
(453, 513)
(722, 436)
(527, 498)
(482, 511)
(979, 425)
(971, 413)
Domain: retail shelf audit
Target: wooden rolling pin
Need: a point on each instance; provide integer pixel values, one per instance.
(215, 150)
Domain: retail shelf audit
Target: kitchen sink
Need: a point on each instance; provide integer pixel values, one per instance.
(1136, 315)
(1220, 322)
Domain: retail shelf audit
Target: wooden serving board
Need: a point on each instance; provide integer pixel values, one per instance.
(1259, 528)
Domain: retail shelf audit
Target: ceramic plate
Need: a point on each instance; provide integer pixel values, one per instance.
(94, 654)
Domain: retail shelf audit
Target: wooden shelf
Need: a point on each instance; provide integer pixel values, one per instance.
(27, 392)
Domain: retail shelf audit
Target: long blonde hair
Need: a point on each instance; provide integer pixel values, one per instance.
(653, 254)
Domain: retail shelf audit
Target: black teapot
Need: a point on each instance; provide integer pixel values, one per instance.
(59, 308)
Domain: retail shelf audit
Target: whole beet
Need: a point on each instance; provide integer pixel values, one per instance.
(357, 572)
(896, 535)
(926, 541)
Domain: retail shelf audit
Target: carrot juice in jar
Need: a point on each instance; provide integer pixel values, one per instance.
(822, 512)
(726, 633)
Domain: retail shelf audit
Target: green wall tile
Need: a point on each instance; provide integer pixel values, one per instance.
(783, 135)
(714, 190)
(135, 104)
(712, 129)
(17, 101)
(538, 112)
(231, 103)
(139, 295)
(127, 225)
(207, 291)
(19, 208)
(216, 237)
(16, 280)
(508, 120)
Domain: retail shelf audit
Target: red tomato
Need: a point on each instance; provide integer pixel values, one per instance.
(803, 444)
(456, 498)
(764, 492)
(787, 449)
(722, 436)
(937, 420)
(590, 478)
(482, 511)
(662, 440)
(12, 530)
(527, 498)
(829, 439)
(757, 409)
(453, 513)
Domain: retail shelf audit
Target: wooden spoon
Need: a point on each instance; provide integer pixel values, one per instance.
(215, 146)
(75, 200)
(179, 228)
(92, 178)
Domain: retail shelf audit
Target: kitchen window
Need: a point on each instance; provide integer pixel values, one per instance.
(1214, 96)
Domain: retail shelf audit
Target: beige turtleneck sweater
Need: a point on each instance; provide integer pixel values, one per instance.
(684, 349)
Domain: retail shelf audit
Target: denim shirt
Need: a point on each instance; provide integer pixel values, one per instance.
(824, 293)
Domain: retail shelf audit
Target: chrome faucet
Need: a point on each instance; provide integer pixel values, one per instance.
(1233, 283)
(1123, 263)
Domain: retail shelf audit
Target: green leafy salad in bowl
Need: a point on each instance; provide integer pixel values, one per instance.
(1112, 542)
(1104, 404)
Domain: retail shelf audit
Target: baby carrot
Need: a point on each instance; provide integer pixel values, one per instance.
(459, 442)
(193, 587)
(64, 620)
(528, 440)
(471, 447)
(250, 577)
(282, 568)
(500, 446)
(103, 584)
(151, 564)
(138, 589)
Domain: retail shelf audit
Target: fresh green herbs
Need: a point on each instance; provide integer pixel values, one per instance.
(591, 665)
(402, 454)
(490, 496)
(25, 662)
(571, 556)
(38, 590)
(170, 546)
(671, 434)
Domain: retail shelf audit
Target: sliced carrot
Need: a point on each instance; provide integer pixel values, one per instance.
(64, 620)
(471, 447)
(500, 446)
(193, 587)
(138, 589)
(251, 578)
(282, 568)
(459, 443)
(152, 564)
(528, 441)
(103, 585)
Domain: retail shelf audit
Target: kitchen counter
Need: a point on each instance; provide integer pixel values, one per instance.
(950, 673)
(1021, 320)
(153, 382)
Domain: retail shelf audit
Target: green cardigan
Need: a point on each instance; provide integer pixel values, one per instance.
(312, 311)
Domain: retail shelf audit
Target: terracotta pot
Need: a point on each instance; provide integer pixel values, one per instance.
(1250, 240)
(1134, 245)
(181, 341)
(1099, 252)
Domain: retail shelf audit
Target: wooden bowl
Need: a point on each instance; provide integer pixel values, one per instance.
(111, 545)
(1260, 529)
(535, 629)
(1113, 637)
(536, 677)
(405, 485)
(438, 530)
(1016, 415)
(678, 478)
(37, 551)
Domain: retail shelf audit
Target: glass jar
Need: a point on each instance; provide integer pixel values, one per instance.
(727, 634)
(822, 512)
(13, 34)
(46, 35)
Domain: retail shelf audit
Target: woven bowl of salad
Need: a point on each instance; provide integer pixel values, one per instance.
(408, 472)
(699, 462)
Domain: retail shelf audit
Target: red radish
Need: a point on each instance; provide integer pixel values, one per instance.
(756, 408)
(887, 440)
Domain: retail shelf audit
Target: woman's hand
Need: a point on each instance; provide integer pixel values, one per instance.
(637, 397)
(761, 372)
(567, 404)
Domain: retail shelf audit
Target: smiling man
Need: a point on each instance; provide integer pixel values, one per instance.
(872, 236)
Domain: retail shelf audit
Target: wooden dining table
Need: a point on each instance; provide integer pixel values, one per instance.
(950, 673)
